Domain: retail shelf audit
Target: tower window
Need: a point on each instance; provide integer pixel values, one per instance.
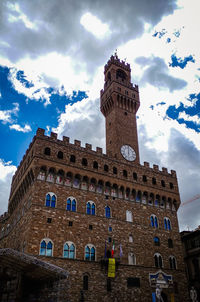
(153, 181)
(49, 220)
(154, 221)
(167, 223)
(85, 282)
(60, 154)
(72, 159)
(171, 185)
(120, 74)
(172, 262)
(163, 183)
(95, 165)
(90, 227)
(84, 162)
(71, 223)
(125, 174)
(135, 176)
(125, 113)
(114, 170)
(47, 151)
(106, 168)
(144, 178)
(170, 243)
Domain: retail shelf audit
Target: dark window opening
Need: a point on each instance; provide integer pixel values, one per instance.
(85, 282)
(156, 241)
(125, 113)
(60, 155)
(163, 183)
(84, 162)
(90, 227)
(114, 170)
(170, 243)
(153, 181)
(109, 239)
(106, 168)
(70, 223)
(125, 174)
(47, 151)
(171, 185)
(49, 220)
(106, 196)
(108, 254)
(95, 165)
(72, 158)
(109, 288)
(135, 176)
(133, 282)
(144, 178)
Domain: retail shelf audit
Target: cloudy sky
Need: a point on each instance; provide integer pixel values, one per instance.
(52, 55)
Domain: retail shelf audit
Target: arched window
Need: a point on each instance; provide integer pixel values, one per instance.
(120, 74)
(85, 282)
(71, 204)
(60, 154)
(69, 250)
(95, 165)
(162, 183)
(46, 247)
(135, 176)
(158, 260)
(50, 200)
(106, 168)
(131, 259)
(72, 158)
(154, 221)
(90, 208)
(125, 174)
(90, 252)
(172, 262)
(170, 243)
(144, 178)
(156, 241)
(84, 162)
(114, 170)
(167, 223)
(129, 216)
(107, 212)
(47, 151)
(130, 238)
(153, 181)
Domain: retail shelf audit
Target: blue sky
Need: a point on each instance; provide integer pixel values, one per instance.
(51, 73)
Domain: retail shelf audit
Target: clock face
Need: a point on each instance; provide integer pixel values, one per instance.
(128, 153)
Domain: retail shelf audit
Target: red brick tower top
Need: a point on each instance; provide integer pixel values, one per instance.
(119, 104)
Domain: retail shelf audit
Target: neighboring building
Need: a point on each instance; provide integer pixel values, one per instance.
(73, 207)
(191, 244)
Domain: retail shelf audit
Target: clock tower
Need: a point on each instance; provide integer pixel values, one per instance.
(119, 104)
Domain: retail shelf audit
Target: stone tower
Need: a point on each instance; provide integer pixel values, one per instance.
(119, 104)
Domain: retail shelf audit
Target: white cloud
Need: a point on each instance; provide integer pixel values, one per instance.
(18, 128)
(95, 26)
(6, 172)
(6, 116)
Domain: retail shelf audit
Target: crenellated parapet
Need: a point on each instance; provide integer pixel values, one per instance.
(120, 63)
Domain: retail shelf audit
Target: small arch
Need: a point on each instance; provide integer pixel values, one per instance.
(129, 216)
(106, 168)
(125, 174)
(167, 224)
(144, 178)
(85, 281)
(72, 158)
(60, 155)
(134, 176)
(47, 151)
(84, 162)
(114, 170)
(154, 221)
(95, 165)
(90, 208)
(50, 200)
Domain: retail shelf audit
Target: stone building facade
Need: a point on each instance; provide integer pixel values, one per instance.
(73, 207)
